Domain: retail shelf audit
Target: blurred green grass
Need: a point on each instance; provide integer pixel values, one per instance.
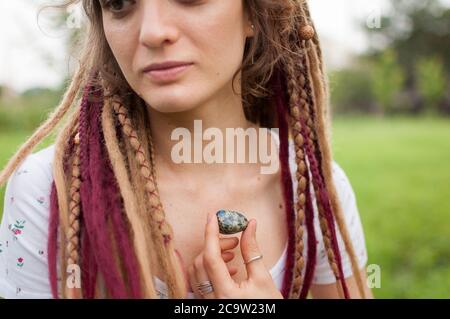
(400, 171)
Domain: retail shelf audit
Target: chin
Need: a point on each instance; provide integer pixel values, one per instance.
(170, 109)
(171, 100)
(169, 105)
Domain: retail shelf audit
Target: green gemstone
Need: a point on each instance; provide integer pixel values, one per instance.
(231, 222)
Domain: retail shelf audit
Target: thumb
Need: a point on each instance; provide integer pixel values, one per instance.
(249, 250)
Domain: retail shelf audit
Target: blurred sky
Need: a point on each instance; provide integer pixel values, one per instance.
(33, 54)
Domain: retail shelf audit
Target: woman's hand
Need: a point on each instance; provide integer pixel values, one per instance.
(211, 265)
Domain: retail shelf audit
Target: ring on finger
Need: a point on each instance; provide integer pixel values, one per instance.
(205, 287)
(253, 259)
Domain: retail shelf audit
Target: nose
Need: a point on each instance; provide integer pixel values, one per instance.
(157, 24)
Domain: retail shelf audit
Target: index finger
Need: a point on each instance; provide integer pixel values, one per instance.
(215, 266)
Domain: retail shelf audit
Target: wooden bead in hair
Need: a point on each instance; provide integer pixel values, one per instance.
(306, 32)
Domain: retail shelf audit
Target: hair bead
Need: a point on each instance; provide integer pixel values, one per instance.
(306, 32)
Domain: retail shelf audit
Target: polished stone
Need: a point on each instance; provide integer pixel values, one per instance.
(231, 222)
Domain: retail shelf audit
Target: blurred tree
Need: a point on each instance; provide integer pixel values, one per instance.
(387, 81)
(431, 82)
(413, 29)
(351, 91)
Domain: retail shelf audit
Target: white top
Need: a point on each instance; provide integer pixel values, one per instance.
(24, 230)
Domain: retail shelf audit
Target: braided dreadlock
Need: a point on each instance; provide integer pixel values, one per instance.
(106, 211)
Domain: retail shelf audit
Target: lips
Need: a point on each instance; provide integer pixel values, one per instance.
(165, 65)
(166, 72)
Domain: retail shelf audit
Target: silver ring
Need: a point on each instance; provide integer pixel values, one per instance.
(253, 259)
(205, 287)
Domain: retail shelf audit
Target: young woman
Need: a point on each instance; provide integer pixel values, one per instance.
(105, 212)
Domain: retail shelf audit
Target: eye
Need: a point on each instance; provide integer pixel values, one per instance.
(117, 6)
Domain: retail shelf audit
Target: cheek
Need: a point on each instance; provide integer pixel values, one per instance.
(221, 40)
(123, 45)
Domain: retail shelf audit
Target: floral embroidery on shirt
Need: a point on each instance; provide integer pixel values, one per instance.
(18, 290)
(323, 254)
(17, 228)
(41, 200)
(23, 171)
(20, 262)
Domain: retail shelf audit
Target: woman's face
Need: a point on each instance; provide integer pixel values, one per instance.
(208, 34)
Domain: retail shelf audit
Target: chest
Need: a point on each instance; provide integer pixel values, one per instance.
(187, 210)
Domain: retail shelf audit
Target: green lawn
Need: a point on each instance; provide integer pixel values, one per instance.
(400, 171)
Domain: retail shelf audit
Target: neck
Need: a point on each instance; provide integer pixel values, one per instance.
(221, 113)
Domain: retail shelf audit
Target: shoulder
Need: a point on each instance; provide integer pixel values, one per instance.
(41, 160)
(35, 170)
(343, 185)
(24, 228)
(347, 199)
(30, 184)
(354, 226)
(339, 176)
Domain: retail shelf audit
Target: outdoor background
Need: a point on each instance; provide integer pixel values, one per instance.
(389, 69)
